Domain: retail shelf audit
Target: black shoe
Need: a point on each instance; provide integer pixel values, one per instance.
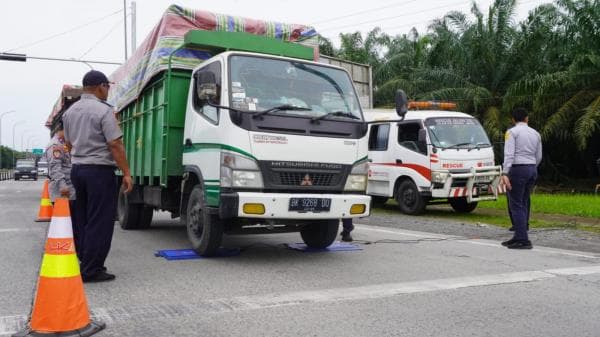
(100, 277)
(512, 229)
(346, 237)
(506, 243)
(520, 245)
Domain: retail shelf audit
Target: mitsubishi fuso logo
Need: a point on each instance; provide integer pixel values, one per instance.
(307, 181)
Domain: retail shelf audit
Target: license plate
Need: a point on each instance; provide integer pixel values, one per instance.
(310, 204)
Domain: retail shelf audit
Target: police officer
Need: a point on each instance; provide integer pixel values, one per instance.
(522, 155)
(59, 167)
(95, 139)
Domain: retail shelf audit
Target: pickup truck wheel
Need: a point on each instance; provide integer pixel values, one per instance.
(409, 199)
(320, 234)
(460, 205)
(128, 214)
(378, 201)
(204, 230)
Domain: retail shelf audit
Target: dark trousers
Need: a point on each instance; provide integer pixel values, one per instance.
(347, 225)
(522, 179)
(94, 214)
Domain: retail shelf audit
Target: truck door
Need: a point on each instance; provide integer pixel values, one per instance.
(379, 175)
(412, 153)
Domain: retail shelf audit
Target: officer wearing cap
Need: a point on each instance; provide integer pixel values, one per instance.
(93, 134)
(522, 155)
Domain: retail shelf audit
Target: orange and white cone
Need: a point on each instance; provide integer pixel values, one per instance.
(45, 212)
(60, 306)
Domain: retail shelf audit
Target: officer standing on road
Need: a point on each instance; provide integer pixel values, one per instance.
(59, 168)
(522, 155)
(93, 134)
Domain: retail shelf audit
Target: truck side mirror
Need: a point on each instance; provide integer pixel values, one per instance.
(206, 86)
(401, 103)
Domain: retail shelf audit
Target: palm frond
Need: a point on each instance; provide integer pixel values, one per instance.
(587, 124)
(558, 123)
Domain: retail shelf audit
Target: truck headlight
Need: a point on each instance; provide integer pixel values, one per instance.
(240, 171)
(439, 177)
(357, 179)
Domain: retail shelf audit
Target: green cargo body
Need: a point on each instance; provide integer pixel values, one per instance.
(153, 129)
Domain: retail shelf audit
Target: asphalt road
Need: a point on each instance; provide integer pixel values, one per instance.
(402, 283)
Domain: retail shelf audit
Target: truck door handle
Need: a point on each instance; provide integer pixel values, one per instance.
(370, 160)
(398, 161)
(188, 142)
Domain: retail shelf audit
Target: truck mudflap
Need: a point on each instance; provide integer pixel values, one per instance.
(482, 183)
(302, 206)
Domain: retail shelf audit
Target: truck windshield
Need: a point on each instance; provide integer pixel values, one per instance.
(260, 84)
(456, 132)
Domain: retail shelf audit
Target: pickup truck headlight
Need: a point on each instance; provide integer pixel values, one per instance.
(357, 179)
(240, 171)
(439, 177)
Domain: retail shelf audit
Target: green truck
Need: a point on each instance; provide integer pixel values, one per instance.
(255, 138)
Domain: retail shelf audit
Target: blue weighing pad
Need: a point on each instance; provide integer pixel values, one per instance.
(188, 254)
(335, 247)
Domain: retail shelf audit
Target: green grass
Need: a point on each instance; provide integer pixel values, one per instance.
(584, 205)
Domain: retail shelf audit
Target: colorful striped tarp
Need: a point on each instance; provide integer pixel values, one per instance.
(152, 56)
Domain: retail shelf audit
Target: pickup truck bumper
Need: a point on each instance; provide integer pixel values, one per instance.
(477, 185)
(278, 205)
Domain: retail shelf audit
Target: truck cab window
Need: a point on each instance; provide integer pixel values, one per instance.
(202, 107)
(408, 137)
(378, 138)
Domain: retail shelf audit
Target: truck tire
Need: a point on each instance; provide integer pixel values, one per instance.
(204, 230)
(409, 199)
(320, 234)
(128, 213)
(378, 201)
(145, 217)
(460, 205)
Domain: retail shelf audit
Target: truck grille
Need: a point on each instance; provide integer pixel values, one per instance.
(304, 176)
(297, 179)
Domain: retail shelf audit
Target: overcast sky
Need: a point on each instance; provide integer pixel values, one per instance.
(31, 88)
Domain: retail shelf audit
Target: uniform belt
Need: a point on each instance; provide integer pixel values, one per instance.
(517, 165)
(95, 166)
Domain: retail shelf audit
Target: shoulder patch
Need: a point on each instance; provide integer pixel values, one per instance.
(57, 154)
(506, 135)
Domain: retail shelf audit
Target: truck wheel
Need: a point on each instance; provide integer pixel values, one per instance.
(128, 214)
(320, 234)
(205, 231)
(408, 198)
(378, 201)
(460, 205)
(145, 218)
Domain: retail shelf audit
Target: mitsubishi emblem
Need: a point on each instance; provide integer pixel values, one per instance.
(307, 181)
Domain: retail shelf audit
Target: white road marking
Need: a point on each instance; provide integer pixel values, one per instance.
(479, 242)
(11, 324)
(13, 230)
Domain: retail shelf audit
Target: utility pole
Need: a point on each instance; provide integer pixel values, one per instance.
(13, 135)
(2, 115)
(125, 25)
(133, 27)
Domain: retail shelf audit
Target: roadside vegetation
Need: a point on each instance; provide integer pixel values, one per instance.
(489, 63)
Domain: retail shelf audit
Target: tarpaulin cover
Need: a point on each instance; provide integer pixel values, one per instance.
(67, 94)
(188, 254)
(152, 56)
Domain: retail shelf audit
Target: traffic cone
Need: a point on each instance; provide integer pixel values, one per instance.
(60, 307)
(45, 212)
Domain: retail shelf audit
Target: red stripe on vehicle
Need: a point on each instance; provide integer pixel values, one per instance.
(422, 170)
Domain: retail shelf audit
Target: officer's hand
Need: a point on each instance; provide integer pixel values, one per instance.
(127, 184)
(506, 182)
(65, 192)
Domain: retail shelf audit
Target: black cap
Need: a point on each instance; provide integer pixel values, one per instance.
(94, 78)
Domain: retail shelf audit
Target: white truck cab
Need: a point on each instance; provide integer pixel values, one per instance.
(430, 156)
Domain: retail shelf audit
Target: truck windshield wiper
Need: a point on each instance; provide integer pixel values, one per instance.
(456, 145)
(278, 108)
(335, 113)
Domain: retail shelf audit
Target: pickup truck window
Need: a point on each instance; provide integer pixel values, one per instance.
(408, 137)
(461, 132)
(209, 112)
(378, 138)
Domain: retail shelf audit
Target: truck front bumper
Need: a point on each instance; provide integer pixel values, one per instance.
(277, 205)
(477, 185)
